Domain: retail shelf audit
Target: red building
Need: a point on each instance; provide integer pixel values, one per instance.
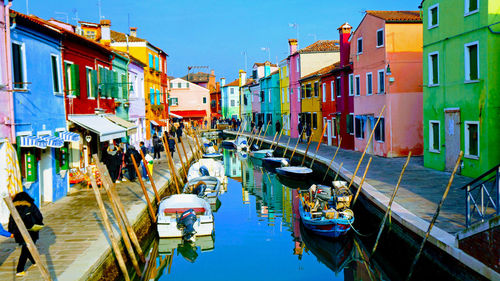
(164, 87)
(338, 105)
(215, 101)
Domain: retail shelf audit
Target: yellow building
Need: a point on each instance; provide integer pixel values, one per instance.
(285, 97)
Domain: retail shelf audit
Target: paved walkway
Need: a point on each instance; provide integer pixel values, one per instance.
(73, 240)
(420, 190)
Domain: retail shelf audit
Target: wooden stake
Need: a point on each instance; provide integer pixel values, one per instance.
(331, 161)
(436, 214)
(295, 148)
(338, 171)
(27, 238)
(241, 128)
(173, 174)
(109, 230)
(256, 136)
(307, 148)
(366, 147)
(150, 178)
(278, 141)
(119, 221)
(193, 152)
(317, 147)
(180, 158)
(275, 135)
(390, 203)
(362, 181)
(264, 136)
(103, 171)
(146, 196)
(286, 147)
(185, 153)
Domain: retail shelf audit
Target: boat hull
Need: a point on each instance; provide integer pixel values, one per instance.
(216, 156)
(293, 172)
(271, 163)
(260, 154)
(325, 227)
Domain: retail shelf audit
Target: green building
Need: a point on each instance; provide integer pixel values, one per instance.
(461, 55)
(120, 78)
(270, 109)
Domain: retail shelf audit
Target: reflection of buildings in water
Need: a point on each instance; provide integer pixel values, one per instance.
(245, 195)
(232, 164)
(364, 268)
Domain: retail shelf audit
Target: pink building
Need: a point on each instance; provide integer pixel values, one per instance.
(386, 51)
(7, 129)
(189, 100)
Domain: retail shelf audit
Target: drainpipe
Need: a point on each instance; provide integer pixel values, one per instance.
(9, 72)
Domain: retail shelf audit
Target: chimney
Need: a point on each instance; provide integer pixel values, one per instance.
(211, 80)
(267, 68)
(293, 45)
(223, 82)
(345, 46)
(243, 77)
(105, 32)
(133, 31)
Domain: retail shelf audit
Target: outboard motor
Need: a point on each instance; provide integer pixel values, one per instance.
(204, 171)
(188, 250)
(199, 189)
(269, 154)
(254, 147)
(186, 223)
(284, 163)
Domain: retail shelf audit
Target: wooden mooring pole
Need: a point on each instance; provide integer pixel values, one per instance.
(362, 181)
(144, 190)
(297, 144)
(317, 147)
(150, 176)
(173, 174)
(184, 150)
(27, 238)
(180, 157)
(264, 136)
(382, 224)
(307, 149)
(286, 147)
(331, 161)
(338, 171)
(434, 218)
(278, 141)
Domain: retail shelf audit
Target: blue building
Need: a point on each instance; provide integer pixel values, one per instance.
(230, 95)
(270, 99)
(40, 122)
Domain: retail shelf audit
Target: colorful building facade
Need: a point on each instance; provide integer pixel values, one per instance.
(7, 130)
(285, 97)
(137, 101)
(230, 99)
(386, 51)
(270, 99)
(189, 100)
(122, 87)
(461, 84)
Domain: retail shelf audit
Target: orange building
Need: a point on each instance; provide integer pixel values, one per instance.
(386, 51)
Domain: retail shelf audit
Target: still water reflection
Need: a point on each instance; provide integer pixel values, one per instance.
(258, 236)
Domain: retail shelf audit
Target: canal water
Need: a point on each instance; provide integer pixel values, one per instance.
(258, 236)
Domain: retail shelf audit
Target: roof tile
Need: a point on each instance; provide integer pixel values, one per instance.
(397, 16)
(322, 46)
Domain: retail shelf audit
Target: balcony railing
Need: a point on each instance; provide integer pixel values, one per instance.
(482, 197)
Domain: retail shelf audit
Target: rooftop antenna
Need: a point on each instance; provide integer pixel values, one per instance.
(75, 18)
(63, 14)
(27, 7)
(128, 20)
(99, 5)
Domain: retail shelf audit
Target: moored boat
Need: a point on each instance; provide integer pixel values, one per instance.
(261, 153)
(206, 187)
(171, 210)
(271, 163)
(294, 172)
(208, 167)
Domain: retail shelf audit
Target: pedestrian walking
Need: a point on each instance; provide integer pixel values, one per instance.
(129, 165)
(171, 144)
(143, 165)
(112, 161)
(301, 127)
(278, 127)
(308, 131)
(156, 146)
(252, 126)
(33, 220)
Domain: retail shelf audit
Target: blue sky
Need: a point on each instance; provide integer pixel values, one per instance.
(217, 33)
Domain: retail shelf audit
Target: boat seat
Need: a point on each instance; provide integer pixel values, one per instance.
(179, 211)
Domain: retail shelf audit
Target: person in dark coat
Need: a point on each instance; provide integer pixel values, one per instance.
(111, 161)
(131, 152)
(259, 125)
(32, 217)
(308, 131)
(252, 126)
(143, 165)
(171, 144)
(179, 133)
(301, 127)
(156, 146)
(278, 127)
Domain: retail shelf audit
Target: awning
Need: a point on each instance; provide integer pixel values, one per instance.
(131, 127)
(69, 136)
(100, 125)
(158, 123)
(191, 113)
(32, 141)
(53, 141)
(175, 115)
(215, 114)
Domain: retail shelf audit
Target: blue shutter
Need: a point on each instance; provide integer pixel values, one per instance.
(158, 97)
(150, 61)
(156, 63)
(151, 96)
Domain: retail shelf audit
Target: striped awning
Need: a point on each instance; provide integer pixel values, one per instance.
(32, 141)
(53, 141)
(69, 136)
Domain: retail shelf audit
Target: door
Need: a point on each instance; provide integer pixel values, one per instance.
(368, 131)
(452, 137)
(46, 175)
(329, 131)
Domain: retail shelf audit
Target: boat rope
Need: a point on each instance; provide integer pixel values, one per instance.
(357, 232)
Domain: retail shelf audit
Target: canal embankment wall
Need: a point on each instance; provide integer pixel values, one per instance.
(412, 227)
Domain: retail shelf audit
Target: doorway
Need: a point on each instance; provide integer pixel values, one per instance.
(46, 175)
(368, 131)
(452, 137)
(329, 130)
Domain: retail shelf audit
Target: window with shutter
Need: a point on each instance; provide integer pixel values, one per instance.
(94, 84)
(158, 101)
(88, 76)
(54, 59)
(109, 83)
(471, 61)
(433, 68)
(151, 61)
(75, 80)
(124, 85)
(151, 96)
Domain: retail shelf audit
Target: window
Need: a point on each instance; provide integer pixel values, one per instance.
(204, 100)
(358, 85)
(349, 124)
(308, 90)
(231, 90)
(156, 63)
(158, 101)
(262, 97)
(151, 96)
(434, 69)
(72, 80)
(471, 7)
(90, 82)
(334, 128)
(124, 86)
(232, 103)
(351, 86)
(360, 46)
(433, 15)
(282, 95)
(380, 38)
(324, 125)
(434, 136)
(179, 85)
(18, 66)
(171, 85)
(369, 84)
(173, 101)
(338, 87)
(314, 120)
(332, 92)
(472, 139)
(359, 127)
(316, 89)
(287, 95)
(56, 82)
(269, 95)
(380, 130)
(381, 81)
(298, 65)
(90, 34)
(151, 61)
(471, 61)
(323, 92)
(254, 74)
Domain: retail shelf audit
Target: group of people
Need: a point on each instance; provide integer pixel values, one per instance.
(307, 132)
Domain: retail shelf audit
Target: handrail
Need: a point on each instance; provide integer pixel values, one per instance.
(481, 176)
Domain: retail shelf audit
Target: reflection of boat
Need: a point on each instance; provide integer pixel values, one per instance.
(173, 206)
(302, 183)
(325, 213)
(215, 169)
(168, 245)
(294, 172)
(242, 155)
(271, 163)
(213, 155)
(335, 254)
(238, 143)
(209, 192)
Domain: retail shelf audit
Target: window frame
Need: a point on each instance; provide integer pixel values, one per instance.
(323, 92)
(378, 82)
(466, 140)
(204, 100)
(357, 46)
(431, 136)
(380, 128)
(429, 12)
(361, 128)
(357, 85)
(24, 70)
(58, 65)
(383, 37)
(352, 124)
(431, 71)
(369, 93)
(70, 95)
(467, 62)
(314, 120)
(351, 85)
(88, 70)
(467, 11)
(287, 95)
(338, 86)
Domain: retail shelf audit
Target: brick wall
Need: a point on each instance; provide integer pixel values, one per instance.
(484, 246)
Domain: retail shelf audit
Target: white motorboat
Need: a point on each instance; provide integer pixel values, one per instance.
(215, 169)
(261, 153)
(210, 190)
(171, 209)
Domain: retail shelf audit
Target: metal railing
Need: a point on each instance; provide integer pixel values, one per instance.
(482, 196)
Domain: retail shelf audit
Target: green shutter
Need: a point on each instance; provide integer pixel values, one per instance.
(435, 136)
(124, 86)
(109, 83)
(75, 80)
(94, 85)
(473, 63)
(472, 5)
(435, 69)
